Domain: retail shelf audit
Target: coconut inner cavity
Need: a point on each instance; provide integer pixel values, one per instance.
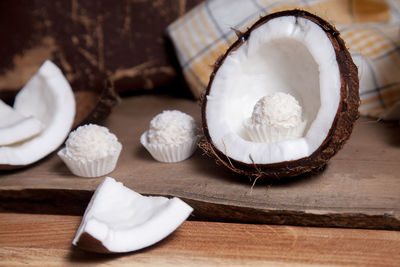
(282, 65)
(288, 55)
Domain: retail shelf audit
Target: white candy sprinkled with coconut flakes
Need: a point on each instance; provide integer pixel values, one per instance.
(171, 127)
(279, 110)
(91, 142)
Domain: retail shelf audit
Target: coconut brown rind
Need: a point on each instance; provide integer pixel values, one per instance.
(95, 104)
(89, 243)
(342, 125)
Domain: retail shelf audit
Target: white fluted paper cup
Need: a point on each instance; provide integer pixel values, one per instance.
(170, 153)
(269, 134)
(91, 168)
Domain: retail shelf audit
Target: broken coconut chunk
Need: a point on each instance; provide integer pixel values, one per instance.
(48, 97)
(118, 219)
(15, 127)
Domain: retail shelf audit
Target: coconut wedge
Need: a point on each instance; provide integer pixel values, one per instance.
(118, 219)
(15, 127)
(296, 53)
(47, 97)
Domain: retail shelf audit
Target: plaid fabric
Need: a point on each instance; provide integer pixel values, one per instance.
(370, 28)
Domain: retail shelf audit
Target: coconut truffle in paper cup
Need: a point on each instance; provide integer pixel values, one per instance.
(91, 151)
(172, 136)
(276, 117)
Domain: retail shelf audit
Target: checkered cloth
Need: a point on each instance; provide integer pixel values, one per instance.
(371, 29)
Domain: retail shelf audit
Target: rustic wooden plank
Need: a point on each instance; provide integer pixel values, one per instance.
(35, 239)
(359, 187)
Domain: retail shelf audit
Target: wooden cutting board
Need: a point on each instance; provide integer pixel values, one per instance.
(360, 187)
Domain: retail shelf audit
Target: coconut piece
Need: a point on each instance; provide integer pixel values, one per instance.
(15, 127)
(292, 52)
(47, 97)
(118, 219)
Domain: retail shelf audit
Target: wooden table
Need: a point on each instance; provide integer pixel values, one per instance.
(359, 189)
(46, 240)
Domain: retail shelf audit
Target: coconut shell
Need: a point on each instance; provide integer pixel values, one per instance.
(342, 125)
(89, 243)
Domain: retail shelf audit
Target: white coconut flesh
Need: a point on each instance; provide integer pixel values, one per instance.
(15, 127)
(286, 54)
(123, 220)
(47, 97)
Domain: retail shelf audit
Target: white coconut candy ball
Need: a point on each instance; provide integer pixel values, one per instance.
(277, 110)
(91, 142)
(172, 136)
(276, 117)
(91, 151)
(171, 127)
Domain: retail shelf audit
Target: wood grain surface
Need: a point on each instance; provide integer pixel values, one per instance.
(359, 188)
(46, 239)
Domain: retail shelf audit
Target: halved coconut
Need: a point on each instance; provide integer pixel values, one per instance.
(15, 127)
(118, 219)
(293, 52)
(47, 97)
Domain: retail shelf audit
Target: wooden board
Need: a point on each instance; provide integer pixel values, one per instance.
(37, 239)
(359, 188)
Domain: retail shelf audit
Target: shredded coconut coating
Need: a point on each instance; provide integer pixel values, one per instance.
(171, 127)
(279, 110)
(91, 142)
